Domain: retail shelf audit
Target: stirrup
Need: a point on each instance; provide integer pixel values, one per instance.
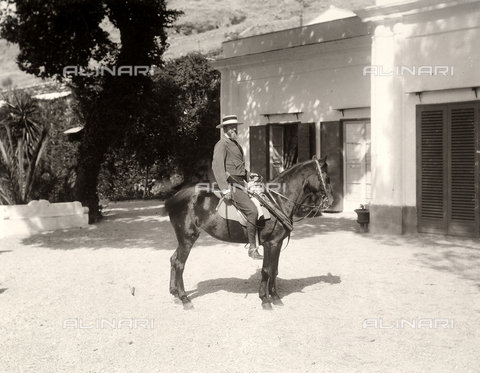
(254, 254)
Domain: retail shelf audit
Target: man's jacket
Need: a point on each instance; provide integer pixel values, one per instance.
(228, 160)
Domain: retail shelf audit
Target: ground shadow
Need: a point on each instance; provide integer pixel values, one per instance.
(461, 262)
(250, 285)
(142, 224)
(3, 290)
(328, 223)
(139, 224)
(452, 254)
(5, 251)
(457, 255)
(126, 225)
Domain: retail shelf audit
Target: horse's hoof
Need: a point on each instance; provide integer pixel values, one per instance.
(267, 306)
(188, 306)
(277, 302)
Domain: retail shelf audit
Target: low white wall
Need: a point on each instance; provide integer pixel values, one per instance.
(40, 216)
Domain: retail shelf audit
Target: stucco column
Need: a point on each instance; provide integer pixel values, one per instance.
(387, 133)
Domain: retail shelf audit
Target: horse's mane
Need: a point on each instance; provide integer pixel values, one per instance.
(288, 173)
(179, 198)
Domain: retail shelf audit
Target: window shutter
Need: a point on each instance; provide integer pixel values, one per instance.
(331, 144)
(462, 169)
(432, 170)
(258, 151)
(306, 141)
(447, 169)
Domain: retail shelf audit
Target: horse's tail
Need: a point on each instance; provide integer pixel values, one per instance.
(178, 200)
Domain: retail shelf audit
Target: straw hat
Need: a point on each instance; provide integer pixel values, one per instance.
(228, 120)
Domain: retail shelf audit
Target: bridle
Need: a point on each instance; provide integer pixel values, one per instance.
(313, 208)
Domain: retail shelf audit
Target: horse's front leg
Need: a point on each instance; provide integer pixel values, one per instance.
(269, 276)
(262, 292)
(272, 284)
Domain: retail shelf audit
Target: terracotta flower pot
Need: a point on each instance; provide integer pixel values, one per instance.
(363, 217)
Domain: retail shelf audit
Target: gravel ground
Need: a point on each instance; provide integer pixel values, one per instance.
(97, 300)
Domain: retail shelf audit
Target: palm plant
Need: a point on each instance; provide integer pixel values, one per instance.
(22, 141)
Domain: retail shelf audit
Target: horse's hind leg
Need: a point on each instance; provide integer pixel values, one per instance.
(177, 261)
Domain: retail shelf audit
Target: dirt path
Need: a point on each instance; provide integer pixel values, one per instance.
(58, 291)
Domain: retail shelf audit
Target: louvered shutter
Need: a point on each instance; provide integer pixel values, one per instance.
(447, 169)
(306, 141)
(431, 186)
(331, 144)
(258, 151)
(462, 209)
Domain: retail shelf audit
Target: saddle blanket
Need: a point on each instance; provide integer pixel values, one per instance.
(228, 211)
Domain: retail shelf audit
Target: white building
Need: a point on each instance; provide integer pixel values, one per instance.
(389, 92)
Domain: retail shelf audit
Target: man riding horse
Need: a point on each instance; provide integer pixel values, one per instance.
(228, 167)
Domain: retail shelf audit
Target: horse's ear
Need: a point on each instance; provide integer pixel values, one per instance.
(322, 161)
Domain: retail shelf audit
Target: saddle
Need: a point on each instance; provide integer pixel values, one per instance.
(228, 211)
(265, 207)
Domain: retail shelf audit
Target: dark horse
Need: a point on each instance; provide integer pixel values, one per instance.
(192, 210)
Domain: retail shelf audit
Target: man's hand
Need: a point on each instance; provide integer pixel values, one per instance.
(227, 194)
(255, 177)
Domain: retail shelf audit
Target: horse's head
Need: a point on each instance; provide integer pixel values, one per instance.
(317, 185)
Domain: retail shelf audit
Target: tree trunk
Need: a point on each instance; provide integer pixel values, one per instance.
(86, 187)
(145, 193)
(90, 158)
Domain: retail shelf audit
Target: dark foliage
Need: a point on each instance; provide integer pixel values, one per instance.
(175, 134)
(199, 101)
(54, 34)
(58, 163)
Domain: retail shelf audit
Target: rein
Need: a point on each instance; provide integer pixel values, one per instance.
(312, 208)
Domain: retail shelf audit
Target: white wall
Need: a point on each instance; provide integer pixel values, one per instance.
(444, 37)
(315, 79)
(38, 216)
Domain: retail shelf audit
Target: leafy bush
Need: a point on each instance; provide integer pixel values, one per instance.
(22, 142)
(172, 140)
(59, 162)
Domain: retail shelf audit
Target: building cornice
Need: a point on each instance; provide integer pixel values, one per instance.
(379, 13)
(303, 51)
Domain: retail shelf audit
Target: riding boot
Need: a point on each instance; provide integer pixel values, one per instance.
(252, 250)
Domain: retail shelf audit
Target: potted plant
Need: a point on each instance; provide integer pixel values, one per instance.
(363, 216)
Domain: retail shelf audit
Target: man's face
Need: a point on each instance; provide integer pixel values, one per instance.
(231, 131)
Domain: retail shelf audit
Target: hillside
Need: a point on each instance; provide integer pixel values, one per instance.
(204, 26)
(208, 23)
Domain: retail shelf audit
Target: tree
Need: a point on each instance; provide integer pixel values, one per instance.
(55, 34)
(177, 134)
(22, 141)
(198, 98)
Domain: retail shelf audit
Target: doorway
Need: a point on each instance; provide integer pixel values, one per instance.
(357, 164)
(276, 147)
